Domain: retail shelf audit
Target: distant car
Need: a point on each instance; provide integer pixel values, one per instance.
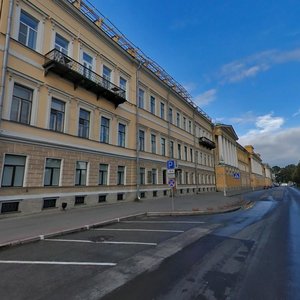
(283, 184)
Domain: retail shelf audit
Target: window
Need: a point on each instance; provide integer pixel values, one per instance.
(49, 203)
(21, 104)
(162, 110)
(84, 123)
(191, 154)
(123, 83)
(52, 172)
(152, 105)
(153, 143)
(154, 193)
(180, 178)
(154, 176)
(103, 174)
(142, 175)
(184, 123)
(190, 126)
(185, 152)
(57, 115)
(170, 115)
(141, 98)
(104, 130)
(186, 177)
(9, 207)
(102, 198)
(61, 44)
(178, 119)
(120, 197)
(28, 30)
(171, 149)
(163, 146)
(88, 65)
(141, 140)
(13, 170)
(164, 176)
(79, 200)
(143, 195)
(106, 77)
(121, 175)
(121, 135)
(179, 151)
(81, 173)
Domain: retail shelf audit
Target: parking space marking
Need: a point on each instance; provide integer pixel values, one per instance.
(101, 242)
(139, 229)
(165, 222)
(72, 263)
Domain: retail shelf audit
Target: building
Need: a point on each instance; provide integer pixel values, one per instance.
(257, 175)
(244, 167)
(85, 117)
(227, 166)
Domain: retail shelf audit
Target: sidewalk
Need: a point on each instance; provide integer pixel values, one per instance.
(19, 229)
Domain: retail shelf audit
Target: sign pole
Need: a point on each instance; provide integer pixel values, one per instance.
(172, 198)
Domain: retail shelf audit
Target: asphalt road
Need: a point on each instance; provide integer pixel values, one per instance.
(247, 254)
(254, 254)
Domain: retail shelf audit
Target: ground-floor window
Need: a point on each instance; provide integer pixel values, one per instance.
(13, 170)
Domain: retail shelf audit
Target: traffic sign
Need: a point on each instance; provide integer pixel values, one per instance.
(171, 182)
(171, 171)
(171, 164)
(236, 175)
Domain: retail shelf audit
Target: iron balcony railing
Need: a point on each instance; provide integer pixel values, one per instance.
(205, 142)
(70, 69)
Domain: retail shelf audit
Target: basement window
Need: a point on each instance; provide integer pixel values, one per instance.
(102, 198)
(49, 203)
(8, 207)
(79, 200)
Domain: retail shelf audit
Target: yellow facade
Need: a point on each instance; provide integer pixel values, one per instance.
(85, 119)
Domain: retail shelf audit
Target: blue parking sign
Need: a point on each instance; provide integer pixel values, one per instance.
(171, 164)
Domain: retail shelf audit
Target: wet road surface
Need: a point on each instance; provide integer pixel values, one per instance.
(253, 254)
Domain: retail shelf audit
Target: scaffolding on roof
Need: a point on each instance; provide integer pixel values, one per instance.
(115, 34)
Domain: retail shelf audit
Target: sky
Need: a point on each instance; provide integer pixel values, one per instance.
(240, 61)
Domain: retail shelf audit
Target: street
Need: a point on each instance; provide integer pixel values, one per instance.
(251, 253)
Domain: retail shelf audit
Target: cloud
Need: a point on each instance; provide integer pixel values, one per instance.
(248, 117)
(251, 66)
(205, 98)
(190, 86)
(297, 113)
(277, 148)
(276, 145)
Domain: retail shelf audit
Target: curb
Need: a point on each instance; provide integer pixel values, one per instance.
(117, 220)
(66, 231)
(193, 212)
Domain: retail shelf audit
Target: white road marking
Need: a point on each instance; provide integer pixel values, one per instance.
(138, 229)
(101, 242)
(74, 263)
(165, 222)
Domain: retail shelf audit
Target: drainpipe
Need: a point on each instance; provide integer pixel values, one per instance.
(137, 133)
(194, 152)
(5, 57)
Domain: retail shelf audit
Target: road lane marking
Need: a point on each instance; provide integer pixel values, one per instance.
(165, 222)
(138, 229)
(74, 263)
(101, 242)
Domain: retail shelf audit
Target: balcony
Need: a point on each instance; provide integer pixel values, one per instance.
(63, 65)
(205, 142)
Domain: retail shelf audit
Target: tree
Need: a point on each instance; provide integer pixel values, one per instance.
(296, 174)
